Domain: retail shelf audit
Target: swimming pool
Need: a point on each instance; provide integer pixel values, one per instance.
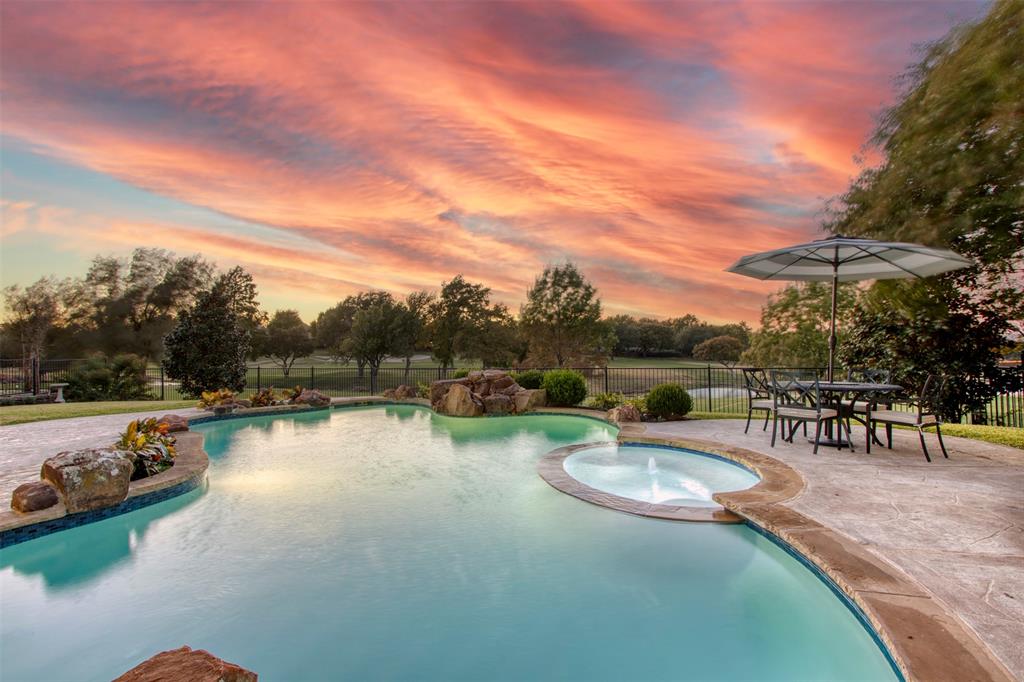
(390, 542)
(657, 474)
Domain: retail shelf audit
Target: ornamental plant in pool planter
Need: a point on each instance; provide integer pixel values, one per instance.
(151, 444)
(605, 401)
(668, 401)
(263, 398)
(564, 387)
(213, 398)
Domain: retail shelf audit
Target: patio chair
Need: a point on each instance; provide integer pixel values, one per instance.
(759, 395)
(799, 400)
(868, 375)
(924, 415)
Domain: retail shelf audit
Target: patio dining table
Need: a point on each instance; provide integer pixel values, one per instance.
(841, 396)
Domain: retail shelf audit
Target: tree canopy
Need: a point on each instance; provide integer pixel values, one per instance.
(562, 320)
(284, 339)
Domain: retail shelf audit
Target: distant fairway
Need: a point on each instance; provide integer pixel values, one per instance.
(423, 361)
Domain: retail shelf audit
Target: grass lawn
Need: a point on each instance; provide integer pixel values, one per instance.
(323, 360)
(21, 414)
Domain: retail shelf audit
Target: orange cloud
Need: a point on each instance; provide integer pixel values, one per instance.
(652, 143)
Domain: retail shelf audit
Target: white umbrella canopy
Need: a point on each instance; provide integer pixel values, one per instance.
(847, 259)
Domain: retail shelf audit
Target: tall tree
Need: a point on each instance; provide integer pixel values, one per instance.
(562, 320)
(795, 325)
(208, 347)
(412, 331)
(32, 314)
(375, 333)
(285, 339)
(333, 327)
(459, 312)
(952, 175)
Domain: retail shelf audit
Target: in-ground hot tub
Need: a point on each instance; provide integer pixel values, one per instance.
(657, 474)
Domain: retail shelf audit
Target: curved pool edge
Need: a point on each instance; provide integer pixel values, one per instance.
(187, 474)
(920, 636)
(551, 468)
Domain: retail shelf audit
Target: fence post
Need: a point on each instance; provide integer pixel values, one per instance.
(606, 378)
(709, 387)
(35, 375)
(162, 382)
(312, 378)
(259, 380)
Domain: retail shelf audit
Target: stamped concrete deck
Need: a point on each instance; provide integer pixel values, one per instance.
(955, 526)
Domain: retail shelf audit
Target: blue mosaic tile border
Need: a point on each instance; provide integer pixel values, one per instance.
(37, 530)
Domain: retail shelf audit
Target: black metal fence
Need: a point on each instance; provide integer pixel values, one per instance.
(713, 388)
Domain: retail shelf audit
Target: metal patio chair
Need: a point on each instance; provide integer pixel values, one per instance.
(868, 375)
(799, 400)
(924, 415)
(759, 395)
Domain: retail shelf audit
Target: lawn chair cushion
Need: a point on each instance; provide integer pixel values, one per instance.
(794, 412)
(897, 417)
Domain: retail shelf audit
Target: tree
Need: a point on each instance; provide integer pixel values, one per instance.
(723, 349)
(795, 325)
(459, 312)
(32, 313)
(285, 339)
(333, 327)
(375, 333)
(562, 320)
(951, 175)
(208, 347)
(131, 305)
(495, 339)
(412, 331)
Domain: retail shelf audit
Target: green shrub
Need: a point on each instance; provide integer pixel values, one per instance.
(531, 378)
(640, 403)
(605, 401)
(460, 374)
(423, 389)
(121, 377)
(564, 387)
(668, 401)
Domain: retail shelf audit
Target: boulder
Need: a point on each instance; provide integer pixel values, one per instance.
(459, 401)
(224, 409)
(405, 392)
(498, 403)
(187, 665)
(439, 388)
(492, 374)
(312, 397)
(502, 383)
(243, 402)
(90, 479)
(624, 413)
(174, 422)
(512, 389)
(482, 388)
(30, 497)
(475, 375)
(529, 399)
(389, 394)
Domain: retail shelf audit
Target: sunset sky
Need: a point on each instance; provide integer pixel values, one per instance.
(331, 148)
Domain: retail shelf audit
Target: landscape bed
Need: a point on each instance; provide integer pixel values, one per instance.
(393, 542)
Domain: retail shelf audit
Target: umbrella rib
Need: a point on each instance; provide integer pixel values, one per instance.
(882, 257)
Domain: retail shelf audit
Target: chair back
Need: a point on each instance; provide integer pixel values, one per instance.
(756, 380)
(870, 375)
(793, 388)
(930, 399)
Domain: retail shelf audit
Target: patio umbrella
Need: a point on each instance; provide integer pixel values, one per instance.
(847, 259)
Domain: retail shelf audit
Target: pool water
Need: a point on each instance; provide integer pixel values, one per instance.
(657, 475)
(392, 543)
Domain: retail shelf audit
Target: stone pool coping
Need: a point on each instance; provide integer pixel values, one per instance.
(924, 639)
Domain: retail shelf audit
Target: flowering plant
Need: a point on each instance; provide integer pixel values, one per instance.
(151, 444)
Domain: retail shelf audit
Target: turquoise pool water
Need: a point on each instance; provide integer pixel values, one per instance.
(657, 475)
(391, 543)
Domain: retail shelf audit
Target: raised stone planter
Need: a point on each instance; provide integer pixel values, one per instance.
(187, 665)
(489, 391)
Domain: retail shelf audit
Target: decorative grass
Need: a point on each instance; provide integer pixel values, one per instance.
(22, 414)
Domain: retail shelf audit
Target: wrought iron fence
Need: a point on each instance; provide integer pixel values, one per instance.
(714, 389)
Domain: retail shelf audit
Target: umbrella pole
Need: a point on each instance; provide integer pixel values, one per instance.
(832, 331)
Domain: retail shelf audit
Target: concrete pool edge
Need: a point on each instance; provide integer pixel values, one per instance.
(922, 637)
